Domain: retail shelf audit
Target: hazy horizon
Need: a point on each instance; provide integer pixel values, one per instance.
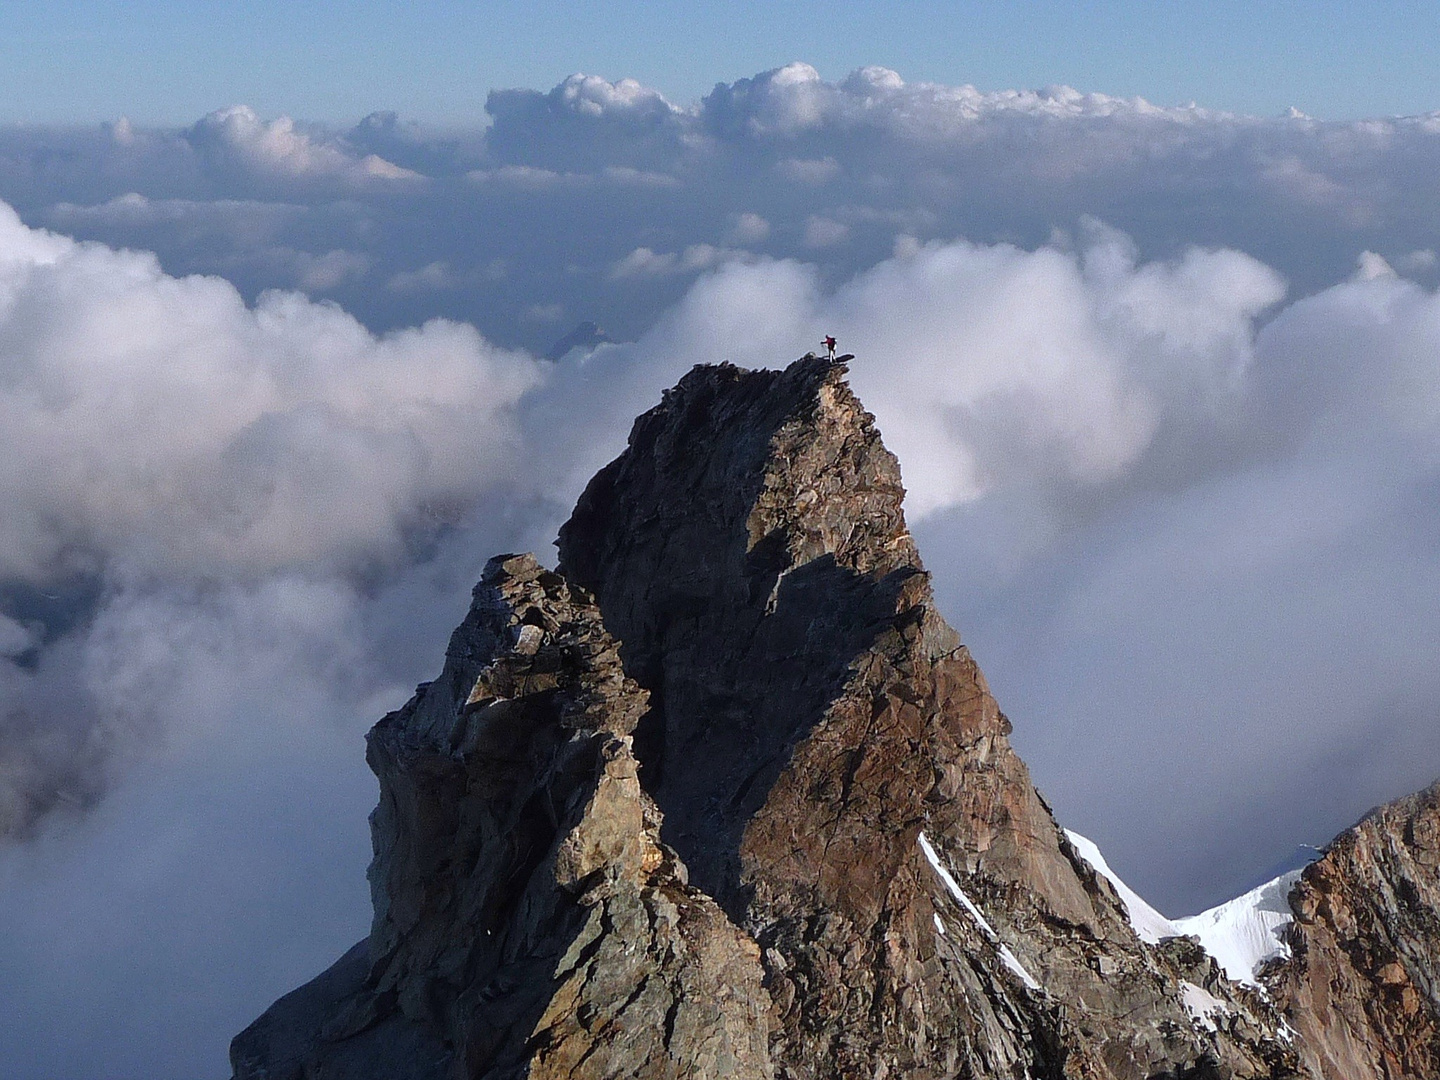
(69, 62)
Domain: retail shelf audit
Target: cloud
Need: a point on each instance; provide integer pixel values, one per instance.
(545, 313)
(234, 535)
(749, 228)
(809, 171)
(14, 637)
(428, 278)
(784, 101)
(238, 136)
(157, 431)
(642, 262)
(227, 218)
(1370, 266)
(562, 185)
(1419, 260)
(271, 415)
(247, 818)
(321, 273)
(998, 366)
(794, 99)
(584, 124)
(822, 232)
(308, 271)
(239, 239)
(525, 176)
(593, 97)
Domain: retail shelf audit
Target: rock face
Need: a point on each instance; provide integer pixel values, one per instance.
(528, 919)
(725, 796)
(1362, 985)
(813, 718)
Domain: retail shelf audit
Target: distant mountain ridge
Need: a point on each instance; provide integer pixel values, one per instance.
(724, 796)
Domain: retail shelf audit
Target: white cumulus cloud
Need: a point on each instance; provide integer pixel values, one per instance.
(160, 423)
(278, 148)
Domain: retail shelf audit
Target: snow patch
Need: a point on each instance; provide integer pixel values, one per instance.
(1016, 968)
(1203, 1006)
(1148, 923)
(1242, 934)
(954, 887)
(1006, 956)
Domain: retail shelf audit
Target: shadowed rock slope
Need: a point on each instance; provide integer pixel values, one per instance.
(725, 796)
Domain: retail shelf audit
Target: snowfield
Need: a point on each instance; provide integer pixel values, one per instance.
(1245, 932)
(1241, 934)
(1148, 923)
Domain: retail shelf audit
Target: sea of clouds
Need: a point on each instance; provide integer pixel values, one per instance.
(1164, 384)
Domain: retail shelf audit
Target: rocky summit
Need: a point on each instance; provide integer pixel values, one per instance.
(724, 796)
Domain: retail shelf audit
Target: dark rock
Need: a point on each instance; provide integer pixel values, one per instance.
(585, 336)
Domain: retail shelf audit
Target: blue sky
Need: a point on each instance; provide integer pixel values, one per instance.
(161, 62)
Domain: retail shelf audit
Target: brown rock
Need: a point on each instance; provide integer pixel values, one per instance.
(812, 715)
(528, 920)
(1362, 985)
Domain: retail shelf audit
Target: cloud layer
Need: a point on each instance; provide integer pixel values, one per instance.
(555, 198)
(161, 424)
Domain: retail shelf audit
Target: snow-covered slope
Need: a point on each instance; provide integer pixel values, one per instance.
(1245, 932)
(1241, 934)
(1148, 923)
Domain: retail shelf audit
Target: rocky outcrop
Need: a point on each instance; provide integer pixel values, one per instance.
(816, 730)
(528, 919)
(723, 795)
(1362, 984)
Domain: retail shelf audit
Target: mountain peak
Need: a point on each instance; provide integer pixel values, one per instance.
(724, 795)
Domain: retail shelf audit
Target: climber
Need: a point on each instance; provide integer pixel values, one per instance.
(829, 343)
